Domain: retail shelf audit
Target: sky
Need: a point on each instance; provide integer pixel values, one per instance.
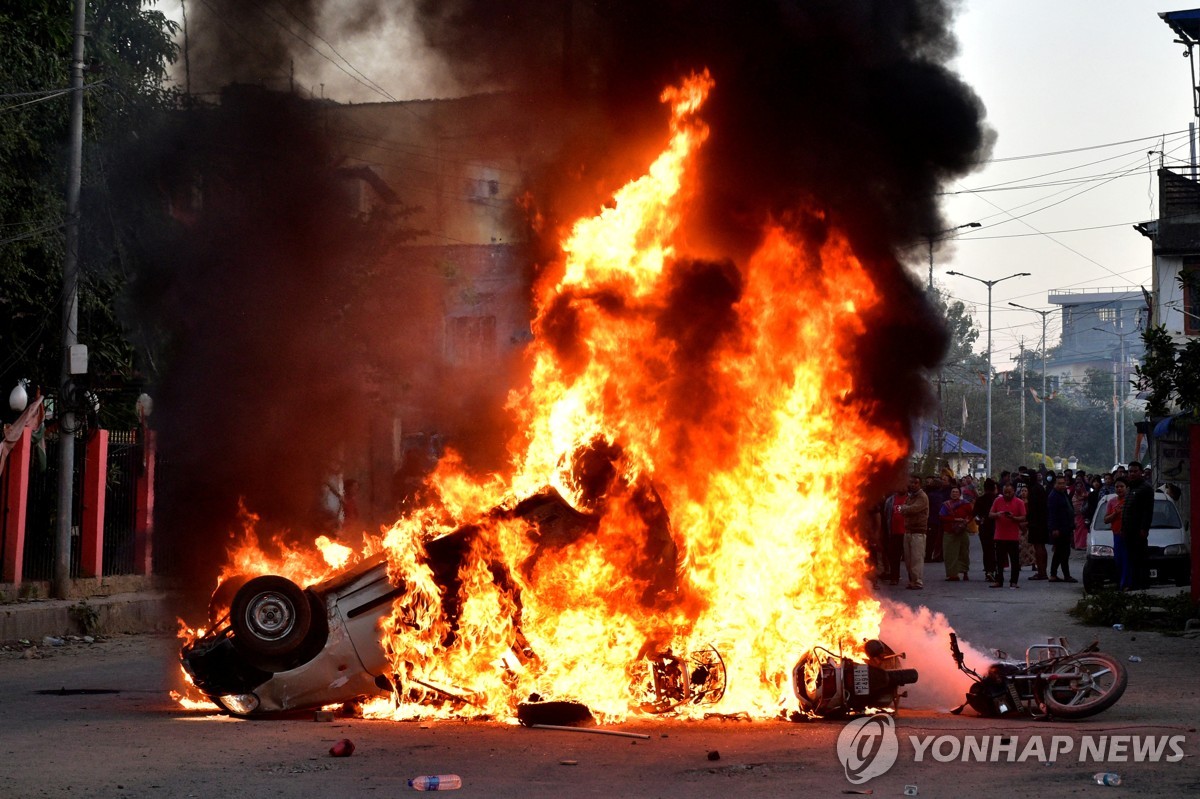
(1078, 92)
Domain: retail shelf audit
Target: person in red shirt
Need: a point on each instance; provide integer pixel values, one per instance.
(1112, 515)
(1008, 512)
(894, 535)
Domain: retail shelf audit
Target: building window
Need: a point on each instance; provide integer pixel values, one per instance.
(1189, 276)
(471, 340)
(1107, 316)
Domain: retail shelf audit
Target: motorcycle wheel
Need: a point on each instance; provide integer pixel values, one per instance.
(1085, 685)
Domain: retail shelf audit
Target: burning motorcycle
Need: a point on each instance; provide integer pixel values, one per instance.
(1052, 683)
(835, 685)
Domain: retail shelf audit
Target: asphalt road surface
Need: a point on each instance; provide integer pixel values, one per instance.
(136, 742)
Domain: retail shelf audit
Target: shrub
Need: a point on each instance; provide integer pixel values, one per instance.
(1136, 610)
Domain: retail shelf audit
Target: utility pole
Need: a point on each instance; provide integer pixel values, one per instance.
(1119, 394)
(1122, 396)
(1021, 366)
(989, 284)
(1116, 451)
(70, 320)
(941, 436)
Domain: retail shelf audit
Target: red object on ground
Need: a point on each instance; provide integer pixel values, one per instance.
(343, 748)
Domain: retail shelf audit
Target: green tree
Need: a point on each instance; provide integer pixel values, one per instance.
(128, 49)
(1097, 389)
(1156, 373)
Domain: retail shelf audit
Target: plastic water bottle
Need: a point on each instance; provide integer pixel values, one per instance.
(436, 782)
(1107, 778)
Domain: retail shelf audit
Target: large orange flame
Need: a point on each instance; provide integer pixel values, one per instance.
(704, 414)
(748, 450)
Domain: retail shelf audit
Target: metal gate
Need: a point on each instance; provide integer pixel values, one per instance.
(120, 501)
(41, 525)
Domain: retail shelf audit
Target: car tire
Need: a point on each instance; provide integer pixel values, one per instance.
(271, 618)
(1093, 580)
(1183, 576)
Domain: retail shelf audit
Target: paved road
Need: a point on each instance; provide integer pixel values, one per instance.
(137, 743)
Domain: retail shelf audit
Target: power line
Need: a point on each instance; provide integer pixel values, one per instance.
(31, 233)
(1056, 241)
(1008, 184)
(314, 48)
(1067, 230)
(1156, 137)
(376, 86)
(1012, 218)
(58, 93)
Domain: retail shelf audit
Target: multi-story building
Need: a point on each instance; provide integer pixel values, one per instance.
(1101, 329)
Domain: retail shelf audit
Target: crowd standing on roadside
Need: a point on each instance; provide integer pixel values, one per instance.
(1025, 519)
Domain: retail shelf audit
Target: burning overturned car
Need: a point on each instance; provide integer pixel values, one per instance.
(273, 646)
(716, 376)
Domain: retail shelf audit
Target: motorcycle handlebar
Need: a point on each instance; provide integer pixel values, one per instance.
(954, 650)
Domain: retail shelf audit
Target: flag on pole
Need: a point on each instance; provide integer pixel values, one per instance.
(964, 422)
(1036, 398)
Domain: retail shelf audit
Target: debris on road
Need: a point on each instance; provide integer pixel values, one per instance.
(590, 730)
(537, 712)
(343, 748)
(436, 782)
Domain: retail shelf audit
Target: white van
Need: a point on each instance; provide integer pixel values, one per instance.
(1169, 550)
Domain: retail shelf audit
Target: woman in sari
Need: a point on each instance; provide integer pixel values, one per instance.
(1079, 501)
(1026, 549)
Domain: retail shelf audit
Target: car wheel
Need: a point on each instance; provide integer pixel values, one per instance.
(271, 618)
(1183, 576)
(1093, 580)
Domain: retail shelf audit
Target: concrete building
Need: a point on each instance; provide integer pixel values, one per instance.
(1175, 238)
(1101, 329)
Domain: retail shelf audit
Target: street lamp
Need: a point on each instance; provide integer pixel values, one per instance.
(941, 431)
(935, 237)
(989, 284)
(1043, 314)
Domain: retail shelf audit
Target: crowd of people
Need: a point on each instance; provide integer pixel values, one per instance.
(1025, 519)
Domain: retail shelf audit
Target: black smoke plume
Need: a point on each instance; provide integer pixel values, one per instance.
(825, 113)
(252, 289)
